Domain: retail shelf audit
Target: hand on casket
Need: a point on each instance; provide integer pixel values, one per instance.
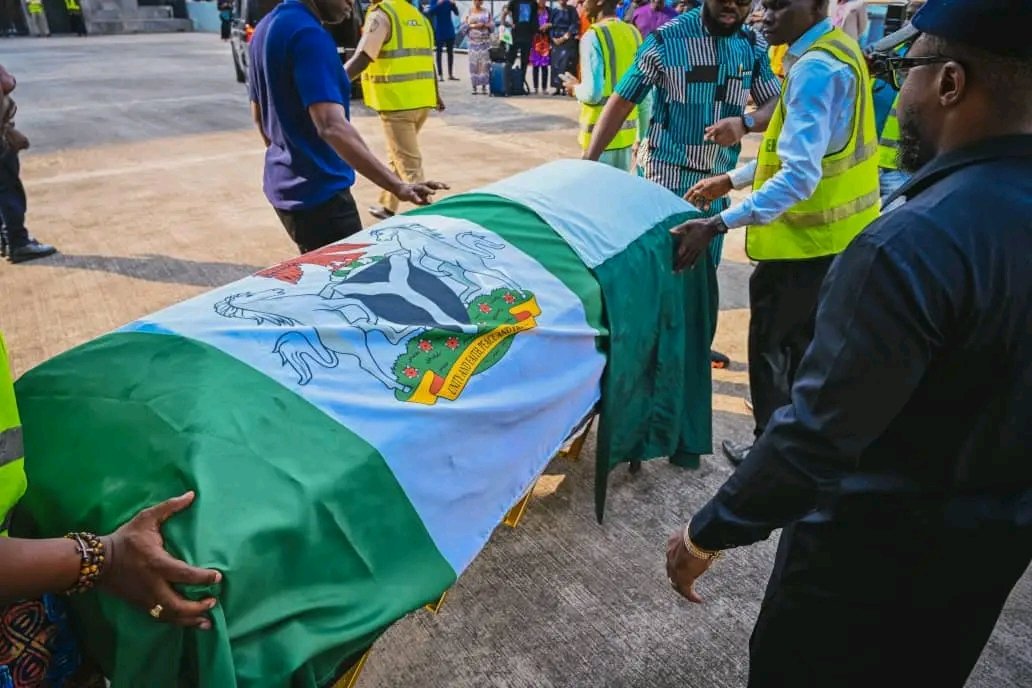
(140, 571)
(693, 237)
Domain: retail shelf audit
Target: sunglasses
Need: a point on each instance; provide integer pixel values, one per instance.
(899, 67)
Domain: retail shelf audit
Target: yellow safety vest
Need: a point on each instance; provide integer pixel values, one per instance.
(888, 145)
(846, 198)
(12, 461)
(402, 75)
(72, 6)
(35, 6)
(619, 41)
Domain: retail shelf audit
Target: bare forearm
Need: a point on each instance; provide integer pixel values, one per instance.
(348, 144)
(615, 113)
(30, 568)
(356, 65)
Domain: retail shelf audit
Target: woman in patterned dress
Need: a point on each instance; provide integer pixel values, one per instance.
(540, 52)
(479, 26)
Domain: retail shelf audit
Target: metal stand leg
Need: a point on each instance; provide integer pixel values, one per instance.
(573, 453)
(350, 679)
(512, 519)
(435, 607)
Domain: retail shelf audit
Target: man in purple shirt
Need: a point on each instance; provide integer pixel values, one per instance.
(650, 17)
(300, 101)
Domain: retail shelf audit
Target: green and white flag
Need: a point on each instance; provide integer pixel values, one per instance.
(357, 421)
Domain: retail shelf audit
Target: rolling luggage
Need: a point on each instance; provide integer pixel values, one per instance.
(507, 81)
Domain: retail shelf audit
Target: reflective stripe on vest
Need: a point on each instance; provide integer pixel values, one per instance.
(846, 199)
(888, 146)
(619, 41)
(12, 465)
(72, 6)
(35, 6)
(402, 76)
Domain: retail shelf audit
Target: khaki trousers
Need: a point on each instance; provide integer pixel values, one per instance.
(403, 157)
(38, 25)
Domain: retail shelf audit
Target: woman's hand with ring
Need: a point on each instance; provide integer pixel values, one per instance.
(140, 571)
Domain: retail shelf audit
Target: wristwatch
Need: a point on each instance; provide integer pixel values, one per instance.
(748, 122)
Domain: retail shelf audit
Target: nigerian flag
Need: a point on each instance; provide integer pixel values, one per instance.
(356, 421)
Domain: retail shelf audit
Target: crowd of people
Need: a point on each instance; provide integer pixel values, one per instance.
(890, 256)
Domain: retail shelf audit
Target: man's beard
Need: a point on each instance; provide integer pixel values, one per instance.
(715, 27)
(914, 150)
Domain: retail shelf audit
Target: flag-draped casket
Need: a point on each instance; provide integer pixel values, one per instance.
(357, 421)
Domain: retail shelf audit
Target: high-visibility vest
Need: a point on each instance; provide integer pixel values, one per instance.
(776, 55)
(846, 199)
(12, 461)
(888, 144)
(402, 76)
(73, 6)
(35, 6)
(619, 41)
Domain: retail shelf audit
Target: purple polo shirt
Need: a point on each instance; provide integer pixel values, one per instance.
(648, 20)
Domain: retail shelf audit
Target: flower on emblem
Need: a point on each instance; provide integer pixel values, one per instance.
(484, 308)
(509, 298)
(452, 343)
(410, 372)
(425, 345)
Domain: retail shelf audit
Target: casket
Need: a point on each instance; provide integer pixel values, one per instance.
(356, 421)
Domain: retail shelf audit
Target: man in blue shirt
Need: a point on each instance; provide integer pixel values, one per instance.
(440, 14)
(300, 101)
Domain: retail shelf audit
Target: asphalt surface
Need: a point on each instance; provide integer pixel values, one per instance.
(146, 173)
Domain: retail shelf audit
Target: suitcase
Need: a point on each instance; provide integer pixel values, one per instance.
(499, 81)
(507, 81)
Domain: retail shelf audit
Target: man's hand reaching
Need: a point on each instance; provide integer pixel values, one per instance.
(419, 194)
(709, 190)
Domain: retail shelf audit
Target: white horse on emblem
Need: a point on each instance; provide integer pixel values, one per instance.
(432, 252)
(324, 328)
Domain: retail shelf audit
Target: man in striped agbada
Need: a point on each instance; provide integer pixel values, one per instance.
(691, 80)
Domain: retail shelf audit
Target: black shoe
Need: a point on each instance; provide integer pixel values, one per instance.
(735, 453)
(718, 360)
(30, 251)
(381, 213)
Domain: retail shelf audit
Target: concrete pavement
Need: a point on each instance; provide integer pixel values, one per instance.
(146, 173)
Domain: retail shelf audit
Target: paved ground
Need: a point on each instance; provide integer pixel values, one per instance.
(146, 173)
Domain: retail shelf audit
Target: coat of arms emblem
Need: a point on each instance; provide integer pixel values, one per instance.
(420, 311)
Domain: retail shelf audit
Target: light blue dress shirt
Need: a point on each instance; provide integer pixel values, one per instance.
(819, 100)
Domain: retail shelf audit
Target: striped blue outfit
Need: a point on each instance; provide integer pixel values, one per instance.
(696, 79)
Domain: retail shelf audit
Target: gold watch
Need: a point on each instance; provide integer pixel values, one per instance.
(698, 552)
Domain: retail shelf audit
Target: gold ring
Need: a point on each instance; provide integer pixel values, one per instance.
(156, 610)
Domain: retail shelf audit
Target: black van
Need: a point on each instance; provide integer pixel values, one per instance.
(247, 14)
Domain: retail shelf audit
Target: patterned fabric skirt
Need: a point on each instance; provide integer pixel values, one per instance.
(39, 650)
(479, 60)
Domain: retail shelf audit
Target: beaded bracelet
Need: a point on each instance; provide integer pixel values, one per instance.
(91, 550)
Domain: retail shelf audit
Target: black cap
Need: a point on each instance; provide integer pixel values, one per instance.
(997, 26)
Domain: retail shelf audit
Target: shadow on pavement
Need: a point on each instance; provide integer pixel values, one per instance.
(158, 268)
